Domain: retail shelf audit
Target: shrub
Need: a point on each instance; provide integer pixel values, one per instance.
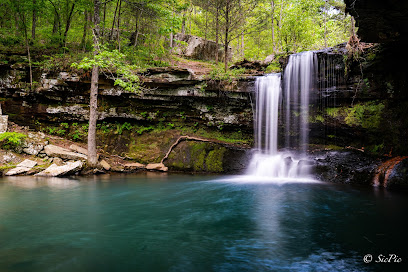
(11, 140)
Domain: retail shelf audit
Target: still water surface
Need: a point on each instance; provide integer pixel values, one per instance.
(196, 223)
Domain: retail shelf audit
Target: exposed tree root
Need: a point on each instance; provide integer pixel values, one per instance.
(183, 138)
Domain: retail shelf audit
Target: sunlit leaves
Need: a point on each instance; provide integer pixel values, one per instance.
(114, 65)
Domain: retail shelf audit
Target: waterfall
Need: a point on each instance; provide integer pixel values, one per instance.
(288, 103)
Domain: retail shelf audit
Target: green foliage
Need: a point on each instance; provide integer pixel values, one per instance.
(274, 67)
(4, 168)
(143, 114)
(64, 125)
(333, 112)
(322, 22)
(376, 149)
(367, 115)
(219, 73)
(113, 62)
(142, 129)
(316, 119)
(121, 127)
(11, 140)
(170, 125)
(80, 133)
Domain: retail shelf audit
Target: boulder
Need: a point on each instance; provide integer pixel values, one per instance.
(78, 149)
(345, 166)
(34, 143)
(398, 177)
(8, 157)
(134, 166)
(393, 173)
(33, 148)
(22, 167)
(57, 161)
(56, 151)
(56, 171)
(157, 167)
(105, 165)
(268, 59)
(199, 48)
(250, 65)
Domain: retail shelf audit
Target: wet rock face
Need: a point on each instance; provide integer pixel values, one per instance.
(379, 20)
(352, 167)
(393, 173)
(398, 177)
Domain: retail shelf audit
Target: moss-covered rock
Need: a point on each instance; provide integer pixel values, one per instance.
(205, 157)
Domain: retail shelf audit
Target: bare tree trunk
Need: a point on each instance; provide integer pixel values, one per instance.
(280, 25)
(137, 27)
(83, 41)
(183, 24)
(242, 45)
(353, 29)
(103, 22)
(56, 24)
(93, 103)
(226, 42)
(57, 20)
(118, 24)
(114, 20)
(325, 25)
(272, 25)
(28, 50)
(206, 23)
(34, 22)
(68, 24)
(191, 15)
(217, 26)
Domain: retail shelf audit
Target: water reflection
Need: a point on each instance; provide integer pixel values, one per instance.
(30, 182)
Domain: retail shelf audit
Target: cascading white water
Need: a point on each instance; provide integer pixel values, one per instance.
(298, 81)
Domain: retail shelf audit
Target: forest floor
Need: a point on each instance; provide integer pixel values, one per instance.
(199, 68)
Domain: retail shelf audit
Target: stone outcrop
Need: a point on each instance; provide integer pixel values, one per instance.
(66, 169)
(168, 92)
(199, 48)
(56, 151)
(21, 168)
